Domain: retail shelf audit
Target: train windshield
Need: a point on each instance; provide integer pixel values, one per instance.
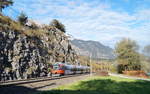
(58, 67)
(55, 67)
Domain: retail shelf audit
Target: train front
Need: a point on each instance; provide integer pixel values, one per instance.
(58, 69)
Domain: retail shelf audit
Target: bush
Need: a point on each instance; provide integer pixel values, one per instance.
(58, 25)
(120, 68)
(8, 23)
(136, 73)
(102, 73)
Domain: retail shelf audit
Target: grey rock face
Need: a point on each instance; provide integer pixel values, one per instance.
(23, 56)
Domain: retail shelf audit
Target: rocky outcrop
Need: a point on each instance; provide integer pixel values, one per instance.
(23, 56)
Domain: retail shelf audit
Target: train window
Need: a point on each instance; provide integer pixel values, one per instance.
(67, 67)
(55, 67)
(62, 68)
(58, 67)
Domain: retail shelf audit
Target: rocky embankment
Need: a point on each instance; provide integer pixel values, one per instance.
(24, 56)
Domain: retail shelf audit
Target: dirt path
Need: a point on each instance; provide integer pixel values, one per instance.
(130, 77)
(39, 86)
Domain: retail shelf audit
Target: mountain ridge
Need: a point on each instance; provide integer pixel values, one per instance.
(92, 48)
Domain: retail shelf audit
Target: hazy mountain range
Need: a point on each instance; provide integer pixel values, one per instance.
(93, 48)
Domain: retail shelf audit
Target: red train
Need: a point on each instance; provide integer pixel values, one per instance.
(60, 69)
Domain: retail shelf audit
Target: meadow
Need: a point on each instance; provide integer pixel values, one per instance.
(104, 85)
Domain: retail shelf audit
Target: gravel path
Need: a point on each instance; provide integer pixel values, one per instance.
(31, 88)
(130, 77)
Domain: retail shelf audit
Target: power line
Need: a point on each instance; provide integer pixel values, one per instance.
(17, 12)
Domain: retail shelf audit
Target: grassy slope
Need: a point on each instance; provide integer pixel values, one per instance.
(104, 85)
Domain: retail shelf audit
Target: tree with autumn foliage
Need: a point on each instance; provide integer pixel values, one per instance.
(128, 57)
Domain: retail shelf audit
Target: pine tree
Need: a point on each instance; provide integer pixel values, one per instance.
(5, 3)
(23, 19)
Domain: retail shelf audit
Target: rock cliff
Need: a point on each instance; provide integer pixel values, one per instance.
(24, 55)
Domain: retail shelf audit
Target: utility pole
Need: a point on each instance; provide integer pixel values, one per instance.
(90, 66)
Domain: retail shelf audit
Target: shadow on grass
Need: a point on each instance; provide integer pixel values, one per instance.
(106, 86)
(13, 89)
(99, 86)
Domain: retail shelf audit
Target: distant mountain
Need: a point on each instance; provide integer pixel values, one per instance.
(97, 50)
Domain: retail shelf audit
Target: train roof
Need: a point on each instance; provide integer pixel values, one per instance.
(70, 65)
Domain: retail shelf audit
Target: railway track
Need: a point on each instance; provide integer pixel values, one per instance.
(38, 85)
(40, 79)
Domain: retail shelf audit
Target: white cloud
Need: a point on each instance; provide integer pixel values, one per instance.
(92, 21)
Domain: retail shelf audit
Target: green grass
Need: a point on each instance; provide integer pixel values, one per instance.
(104, 85)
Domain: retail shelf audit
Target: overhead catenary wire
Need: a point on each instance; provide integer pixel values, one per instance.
(15, 12)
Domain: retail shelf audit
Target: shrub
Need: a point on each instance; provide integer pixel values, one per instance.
(6, 22)
(58, 25)
(22, 19)
(138, 73)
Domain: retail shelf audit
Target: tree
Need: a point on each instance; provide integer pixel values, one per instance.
(22, 18)
(58, 25)
(127, 56)
(5, 3)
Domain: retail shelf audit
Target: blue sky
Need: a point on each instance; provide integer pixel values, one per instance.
(106, 21)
